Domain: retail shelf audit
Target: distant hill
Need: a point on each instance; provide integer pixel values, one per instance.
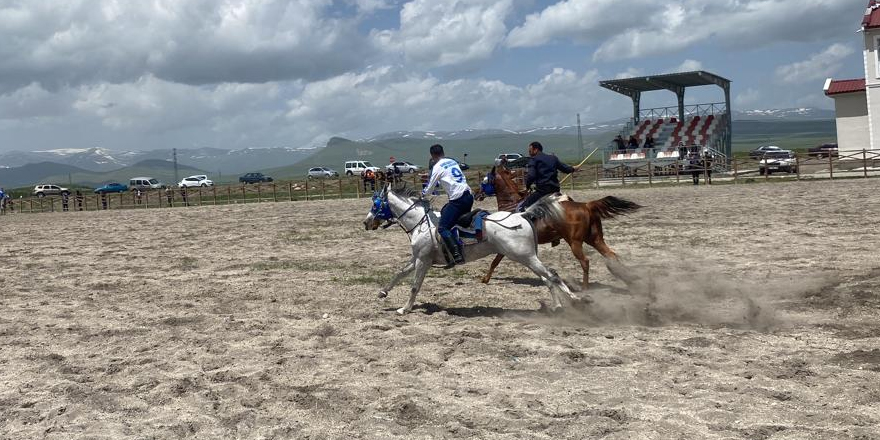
(212, 159)
(34, 173)
(47, 172)
(791, 128)
(481, 150)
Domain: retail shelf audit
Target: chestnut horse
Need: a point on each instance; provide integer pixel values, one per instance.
(582, 222)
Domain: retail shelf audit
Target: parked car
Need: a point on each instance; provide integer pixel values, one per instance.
(522, 162)
(507, 157)
(254, 178)
(111, 188)
(195, 181)
(357, 167)
(402, 166)
(144, 183)
(462, 165)
(759, 152)
(322, 172)
(824, 150)
(50, 190)
(778, 161)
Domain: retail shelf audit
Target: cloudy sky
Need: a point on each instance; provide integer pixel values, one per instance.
(142, 74)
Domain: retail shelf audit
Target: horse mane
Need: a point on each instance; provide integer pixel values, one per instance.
(404, 189)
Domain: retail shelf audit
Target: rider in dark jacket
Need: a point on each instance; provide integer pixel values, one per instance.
(543, 173)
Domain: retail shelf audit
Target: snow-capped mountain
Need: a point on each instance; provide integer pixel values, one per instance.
(470, 134)
(209, 159)
(783, 114)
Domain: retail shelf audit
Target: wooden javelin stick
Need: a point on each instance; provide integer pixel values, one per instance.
(582, 162)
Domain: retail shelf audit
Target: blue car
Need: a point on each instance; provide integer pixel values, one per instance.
(111, 188)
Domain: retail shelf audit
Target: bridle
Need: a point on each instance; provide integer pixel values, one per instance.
(382, 211)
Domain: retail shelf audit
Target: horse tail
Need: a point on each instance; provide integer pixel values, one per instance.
(547, 207)
(610, 206)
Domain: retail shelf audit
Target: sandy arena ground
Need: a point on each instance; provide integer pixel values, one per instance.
(757, 318)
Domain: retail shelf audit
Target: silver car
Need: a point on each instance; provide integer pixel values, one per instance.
(317, 172)
(402, 166)
(50, 190)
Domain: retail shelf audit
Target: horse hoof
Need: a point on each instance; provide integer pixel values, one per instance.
(401, 311)
(484, 280)
(383, 294)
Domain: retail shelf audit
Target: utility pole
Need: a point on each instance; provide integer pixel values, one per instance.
(176, 177)
(580, 138)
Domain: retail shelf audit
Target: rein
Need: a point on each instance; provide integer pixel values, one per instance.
(419, 223)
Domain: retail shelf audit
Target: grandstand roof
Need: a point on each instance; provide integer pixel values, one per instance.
(836, 87)
(664, 82)
(872, 16)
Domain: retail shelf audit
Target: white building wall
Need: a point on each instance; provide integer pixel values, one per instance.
(852, 121)
(872, 63)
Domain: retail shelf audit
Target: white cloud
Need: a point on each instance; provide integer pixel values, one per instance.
(72, 42)
(747, 98)
(436, 33)
(630, 72)
(688, 66)
(349, 104)
(640, 28)
(817, 67)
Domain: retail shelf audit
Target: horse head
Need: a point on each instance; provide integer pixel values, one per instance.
(379, 210)
(507, 192)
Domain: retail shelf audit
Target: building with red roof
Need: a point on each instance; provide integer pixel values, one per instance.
(857, 101)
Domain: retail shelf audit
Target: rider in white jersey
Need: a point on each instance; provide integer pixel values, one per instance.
(461, 200)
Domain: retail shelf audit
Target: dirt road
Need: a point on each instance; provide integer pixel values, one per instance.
(756, 318)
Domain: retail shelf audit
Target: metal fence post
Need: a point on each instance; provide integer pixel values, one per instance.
(650, 174)
(797, 166)
(735, 172)
(864, 161)
(830, 167)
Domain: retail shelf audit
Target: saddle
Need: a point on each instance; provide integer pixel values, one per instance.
(468, 224)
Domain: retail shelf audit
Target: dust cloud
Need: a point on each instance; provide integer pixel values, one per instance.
(692, 291)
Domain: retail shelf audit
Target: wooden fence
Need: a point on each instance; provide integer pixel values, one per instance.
(861, 164)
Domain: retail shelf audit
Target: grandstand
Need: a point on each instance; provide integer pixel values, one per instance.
(678, 132)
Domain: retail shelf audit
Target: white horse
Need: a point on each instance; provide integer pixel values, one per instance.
(510, 234)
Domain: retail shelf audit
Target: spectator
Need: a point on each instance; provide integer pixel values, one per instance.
(369, 178)
(2, 201)
(169, 195)
(65, 201)
(618, 141)
(183, 196)
(649, 142)
(707, 165)
(138, 196)
(633, 143)
(696, 167)
(79, 200)
(103, 200)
